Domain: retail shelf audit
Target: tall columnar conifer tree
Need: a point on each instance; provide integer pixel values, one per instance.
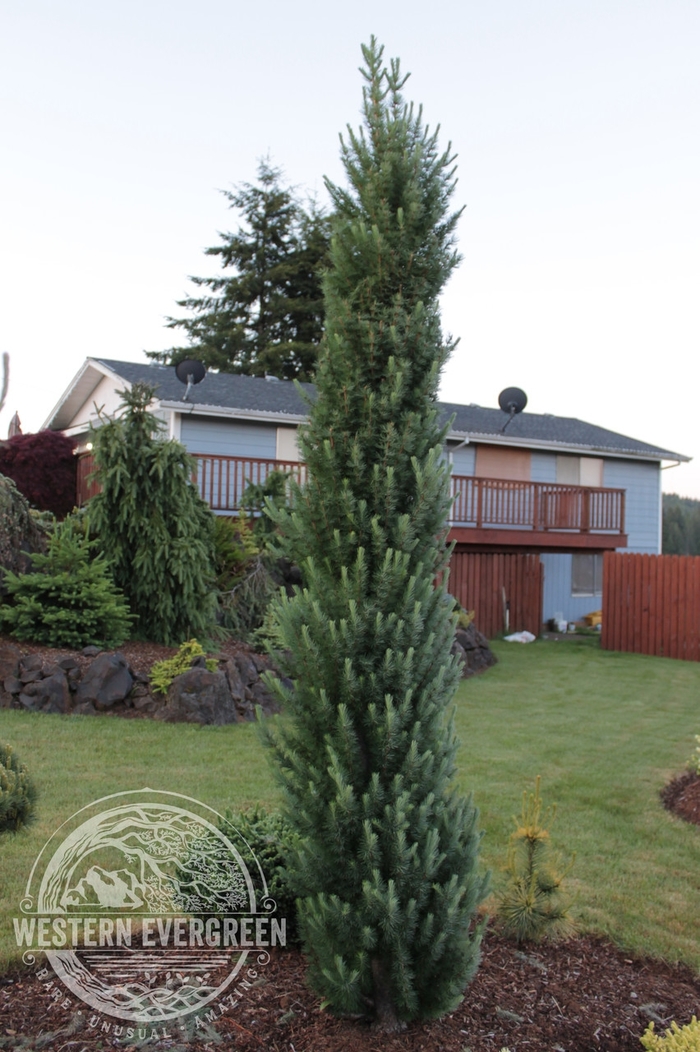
(387, 868)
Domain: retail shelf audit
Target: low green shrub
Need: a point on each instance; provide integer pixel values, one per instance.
(164, 672)
(676, 1039)
(694, 761)
(533, 905)
(17, 792)
(269, 839)
(69, 599)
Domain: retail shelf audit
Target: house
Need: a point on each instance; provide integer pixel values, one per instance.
(537, 503)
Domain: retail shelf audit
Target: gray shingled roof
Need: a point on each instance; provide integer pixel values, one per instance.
(255, 394)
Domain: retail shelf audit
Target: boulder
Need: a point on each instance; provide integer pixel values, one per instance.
(47, 695)
(107, 681)
(473, 647)
(9, 660)
(31, 663)
(12, 685)
(199, 696)
(86, 708)
(460, 652)
(247, 668)
(235, 681)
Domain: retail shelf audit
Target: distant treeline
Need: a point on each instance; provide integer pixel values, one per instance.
(681, 525)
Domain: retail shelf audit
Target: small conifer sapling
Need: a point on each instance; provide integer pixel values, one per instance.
(534, 905)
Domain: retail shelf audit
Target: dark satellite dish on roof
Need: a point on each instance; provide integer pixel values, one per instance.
(190, 372)
(512, 400)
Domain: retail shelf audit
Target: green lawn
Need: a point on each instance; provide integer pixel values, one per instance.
(604, 730)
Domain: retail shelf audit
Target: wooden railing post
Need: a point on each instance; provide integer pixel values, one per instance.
(585, 511)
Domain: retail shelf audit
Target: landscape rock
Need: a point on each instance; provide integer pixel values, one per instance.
(47, 695)
(147, 704)
(107, 681)
(91, 651)
(199, 696)
(235, 681)
(86, 708)
(12, 685)
(31, 663)
(30, 677)
(247, 668)
(473, 647)
(9, 660)
(67, 663)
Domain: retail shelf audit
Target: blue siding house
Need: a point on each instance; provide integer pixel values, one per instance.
(546, 485)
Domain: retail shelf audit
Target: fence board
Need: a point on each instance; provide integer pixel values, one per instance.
(651, 604)
(478, 578)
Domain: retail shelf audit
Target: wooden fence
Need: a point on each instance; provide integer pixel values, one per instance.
(478, 581)
(651, 604)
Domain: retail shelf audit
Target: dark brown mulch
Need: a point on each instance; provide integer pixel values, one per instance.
(576, 996)
(682, 797)
(141, 656)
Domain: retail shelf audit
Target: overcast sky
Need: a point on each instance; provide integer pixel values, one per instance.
(576, 126)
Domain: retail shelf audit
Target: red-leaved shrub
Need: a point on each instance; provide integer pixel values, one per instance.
(43, 468)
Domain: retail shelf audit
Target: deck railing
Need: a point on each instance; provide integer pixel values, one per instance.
(479, 503)
(221, 480)
(540, 506)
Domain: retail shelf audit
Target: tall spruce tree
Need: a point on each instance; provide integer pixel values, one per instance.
(153, 527)
(265, 314)
(387, 868)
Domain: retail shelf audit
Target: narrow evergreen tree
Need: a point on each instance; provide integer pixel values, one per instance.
(266, 314)
(386, 871)
(153, 527)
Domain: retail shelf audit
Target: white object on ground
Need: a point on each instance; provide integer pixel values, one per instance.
(520, 637)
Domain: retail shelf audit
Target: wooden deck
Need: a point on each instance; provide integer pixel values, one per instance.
(493, 514)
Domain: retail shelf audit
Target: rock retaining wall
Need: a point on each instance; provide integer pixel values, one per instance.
(108, 685)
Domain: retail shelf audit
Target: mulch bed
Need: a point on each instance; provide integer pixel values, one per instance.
(682, 797)
(140, 656)
(576, 996)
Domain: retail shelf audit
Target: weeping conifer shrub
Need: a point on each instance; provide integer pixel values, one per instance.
(152, 525)
(386, 869)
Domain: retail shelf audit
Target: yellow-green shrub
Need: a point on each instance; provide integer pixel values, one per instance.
(677, 1039)
(164, 672)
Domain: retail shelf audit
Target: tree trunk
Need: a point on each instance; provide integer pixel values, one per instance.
(385, 1017)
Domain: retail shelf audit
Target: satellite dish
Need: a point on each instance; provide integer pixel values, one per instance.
(512, 400)
(190, 372)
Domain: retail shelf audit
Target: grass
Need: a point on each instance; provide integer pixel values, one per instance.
(605, 731)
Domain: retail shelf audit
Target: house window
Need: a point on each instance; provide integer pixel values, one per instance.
(586, 574)
(580, 471)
